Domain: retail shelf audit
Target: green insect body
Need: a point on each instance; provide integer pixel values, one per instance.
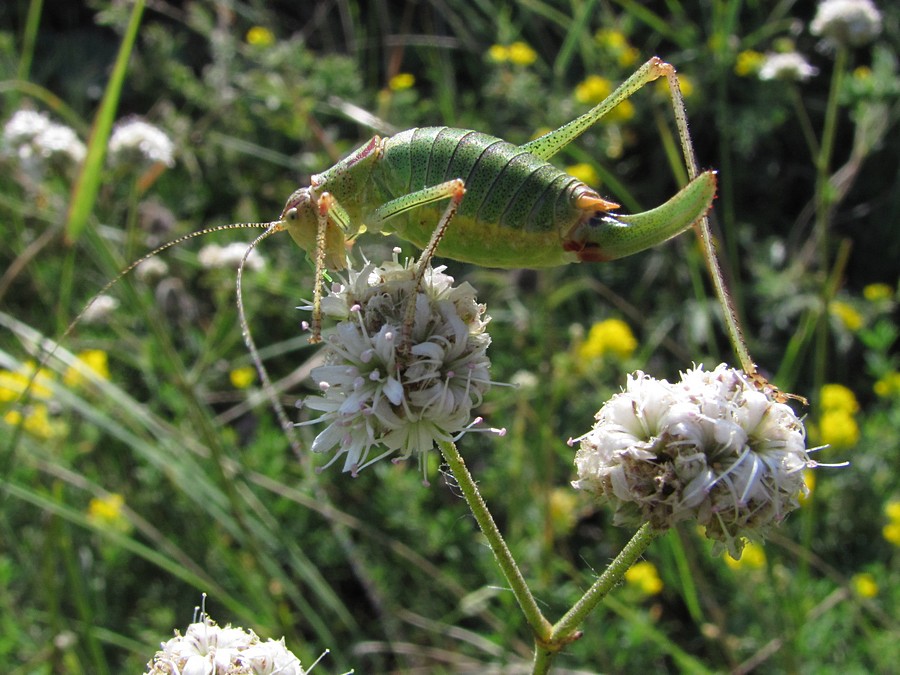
(518, 209)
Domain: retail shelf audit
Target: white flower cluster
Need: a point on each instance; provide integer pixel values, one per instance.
(32, 138)
(206, 649)
(789, 66)
(394, 384)
(851, 23)
(711, 447)
(214, 256)
(137, 142)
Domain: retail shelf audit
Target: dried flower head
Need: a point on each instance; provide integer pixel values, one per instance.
(790, 66)
(392, 384)
(849, 23)
(207, 649)
(710, 447)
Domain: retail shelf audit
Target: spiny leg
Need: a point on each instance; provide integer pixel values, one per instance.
(286, 424)
(321, 228)
(732, 323)
(458, 191)
(552, 142)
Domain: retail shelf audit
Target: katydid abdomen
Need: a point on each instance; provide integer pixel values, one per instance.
(516, 209)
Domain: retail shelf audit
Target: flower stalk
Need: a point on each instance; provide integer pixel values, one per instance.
(539, 624)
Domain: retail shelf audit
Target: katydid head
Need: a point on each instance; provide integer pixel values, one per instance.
(301, 216)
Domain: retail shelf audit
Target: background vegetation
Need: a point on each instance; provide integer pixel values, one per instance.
(126, 496)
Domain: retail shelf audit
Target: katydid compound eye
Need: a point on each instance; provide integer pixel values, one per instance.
(291, 214)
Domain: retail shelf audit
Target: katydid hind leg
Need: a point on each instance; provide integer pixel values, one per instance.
(552, 142)
(732, 323)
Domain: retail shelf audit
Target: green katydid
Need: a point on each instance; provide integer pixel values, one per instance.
(519, 210)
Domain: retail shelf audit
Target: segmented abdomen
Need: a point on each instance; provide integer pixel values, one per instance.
(505, 185)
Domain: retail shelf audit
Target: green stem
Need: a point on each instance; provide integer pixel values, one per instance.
(824, 201)
(613, 574)
(566, 629)
(539, 625)
(29, 38)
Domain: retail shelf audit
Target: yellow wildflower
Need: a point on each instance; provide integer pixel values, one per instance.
(891, 533)
(892, 510)
(37, 421)
(752, 557)
(643, 575)
(615, 43)
(838, 397)
(888, 385)
(13, 383)
(260, 36)
(243, 377)
(621, 113)
(609, 336)
(846, 314)
(862, 73)
(498, 53)
(563, 502)
(838, 429)
(584, 172)
(401, 81)
(593, 89)
(685, 83)
(94, 360)
(748, 63)
(864, 585)
(107, 512)
(877, 292)
(611, 38)
(521, 54)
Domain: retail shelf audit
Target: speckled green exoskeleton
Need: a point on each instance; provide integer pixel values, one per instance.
(518, 210)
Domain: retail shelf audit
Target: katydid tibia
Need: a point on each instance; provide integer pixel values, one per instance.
(508, 206)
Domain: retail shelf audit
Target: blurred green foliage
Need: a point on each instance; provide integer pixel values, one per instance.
(388, 574)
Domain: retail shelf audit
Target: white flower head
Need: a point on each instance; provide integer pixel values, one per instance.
(851, 23)
(207, 649)
(711, 447)
(32, 137)
(100, 309)
(24, 126)
(790, 66)
(395, 380)
(213, 256)
(134, 141)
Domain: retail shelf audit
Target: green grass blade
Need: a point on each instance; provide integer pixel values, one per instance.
(85, 192)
